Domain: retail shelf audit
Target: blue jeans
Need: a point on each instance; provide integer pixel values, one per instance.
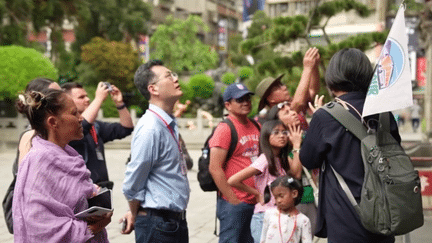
(235, 222)
(256, 226)
(152, 228)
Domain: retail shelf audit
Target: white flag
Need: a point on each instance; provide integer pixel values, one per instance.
(390, 88)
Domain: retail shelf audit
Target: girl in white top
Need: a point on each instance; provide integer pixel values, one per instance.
(285, 223)
(276, 141)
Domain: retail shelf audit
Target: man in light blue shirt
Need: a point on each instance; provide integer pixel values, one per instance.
(156, 184)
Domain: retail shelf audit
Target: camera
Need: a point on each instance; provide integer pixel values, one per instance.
(108, 86)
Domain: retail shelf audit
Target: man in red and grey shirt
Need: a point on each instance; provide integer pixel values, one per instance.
(234, 207)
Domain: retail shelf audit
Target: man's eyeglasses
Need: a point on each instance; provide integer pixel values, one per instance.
(169, 75)
(282, 104)
(243, 99)
(277, 132)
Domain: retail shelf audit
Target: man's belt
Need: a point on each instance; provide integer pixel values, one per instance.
(164, 213)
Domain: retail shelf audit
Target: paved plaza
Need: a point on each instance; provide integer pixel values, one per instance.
(200, 213)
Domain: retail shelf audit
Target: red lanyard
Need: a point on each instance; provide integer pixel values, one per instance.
(170, 129)
(94, 135)
(293, 231)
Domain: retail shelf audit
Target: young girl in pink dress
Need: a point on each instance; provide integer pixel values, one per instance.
(276, 141)
(285, 223)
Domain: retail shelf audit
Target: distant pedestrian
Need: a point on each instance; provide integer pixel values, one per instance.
(415, 115)
(276, 141)
(285, 223)
(234, 207)
(400, 116)
(156, 184)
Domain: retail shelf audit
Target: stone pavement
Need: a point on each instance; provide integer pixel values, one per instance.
(200, 213)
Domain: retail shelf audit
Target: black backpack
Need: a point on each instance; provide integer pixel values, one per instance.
(7, 201)
(205, 179)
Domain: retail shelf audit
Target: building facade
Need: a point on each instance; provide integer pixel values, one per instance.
(219, 15)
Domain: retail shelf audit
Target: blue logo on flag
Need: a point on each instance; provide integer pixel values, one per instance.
(389, 67)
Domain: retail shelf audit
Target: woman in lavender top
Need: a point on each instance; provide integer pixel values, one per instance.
(53, 183)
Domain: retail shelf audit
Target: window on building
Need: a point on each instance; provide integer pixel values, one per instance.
(272, 10)
(283, 7)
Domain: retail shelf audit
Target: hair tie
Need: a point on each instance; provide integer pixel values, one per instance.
(34, 101)
(22, 99)
(290, 180)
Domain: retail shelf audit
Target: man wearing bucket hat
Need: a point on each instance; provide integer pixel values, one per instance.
(272, 91)
(234, 207)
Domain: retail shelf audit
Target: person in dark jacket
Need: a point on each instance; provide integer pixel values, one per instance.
(97, 133)
(327, 143)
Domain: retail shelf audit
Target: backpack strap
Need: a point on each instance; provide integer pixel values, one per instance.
(234, 139)
(346, 189)
(255, 123)
(351, 123)
(348, 120)
(384, 127)
(234, 135)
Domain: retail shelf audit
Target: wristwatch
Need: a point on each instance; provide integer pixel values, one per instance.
(121, 106)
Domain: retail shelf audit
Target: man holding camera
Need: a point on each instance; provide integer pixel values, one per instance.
(96, 133)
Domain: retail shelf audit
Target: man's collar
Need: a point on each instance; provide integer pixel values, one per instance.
(168, 118)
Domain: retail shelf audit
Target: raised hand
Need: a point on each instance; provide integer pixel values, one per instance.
(295, 135)
(101, 91)
(311, 58)
(180, 108)
(319, 101)
(116, 95)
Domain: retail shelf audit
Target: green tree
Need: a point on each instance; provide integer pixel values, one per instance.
(228, 78)
(188, 92)
(22, 65)
(283, 30)
(119, 20)
(245, 73)
(178, 45)
(201, 85)
(14, 16)
(260, 22)
(112, 61)
(266, 34)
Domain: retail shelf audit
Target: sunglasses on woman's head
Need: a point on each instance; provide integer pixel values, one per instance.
(282, 104)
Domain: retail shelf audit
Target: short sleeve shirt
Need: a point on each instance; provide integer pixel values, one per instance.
(264, 179)
(246, 151)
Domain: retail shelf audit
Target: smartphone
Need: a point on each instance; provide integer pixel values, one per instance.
(108, 86)
(124, 225)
